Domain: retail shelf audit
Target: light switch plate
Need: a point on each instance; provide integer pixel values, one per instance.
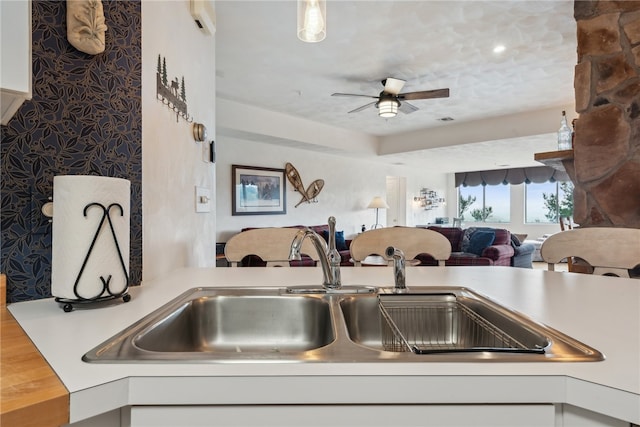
(203, 199)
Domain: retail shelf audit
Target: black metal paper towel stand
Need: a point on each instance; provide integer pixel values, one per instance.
(69, 303)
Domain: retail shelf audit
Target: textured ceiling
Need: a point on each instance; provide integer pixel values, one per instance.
(430, 44)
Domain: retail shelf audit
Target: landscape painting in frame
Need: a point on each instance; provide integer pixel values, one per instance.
(258, 191)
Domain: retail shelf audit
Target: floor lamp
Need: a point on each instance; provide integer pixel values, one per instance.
(377, 203)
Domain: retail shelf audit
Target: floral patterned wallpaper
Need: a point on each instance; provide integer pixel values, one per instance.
(85, 118)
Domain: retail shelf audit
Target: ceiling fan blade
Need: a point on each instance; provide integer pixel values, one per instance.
(364, 107)
(353, 94)
(407, 108)
(393, 86)
(425, 94)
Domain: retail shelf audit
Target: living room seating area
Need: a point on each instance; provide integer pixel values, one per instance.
(483, 246)
(473, 246)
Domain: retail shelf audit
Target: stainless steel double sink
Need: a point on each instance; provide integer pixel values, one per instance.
(453, 324)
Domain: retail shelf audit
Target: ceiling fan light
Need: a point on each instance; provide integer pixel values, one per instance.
(312, 20)
(388, 108)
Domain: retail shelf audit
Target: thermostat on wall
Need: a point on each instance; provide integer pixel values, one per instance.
(209, 151)
(212, 151)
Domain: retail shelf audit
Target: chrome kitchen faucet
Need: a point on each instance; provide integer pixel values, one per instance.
(329, 256)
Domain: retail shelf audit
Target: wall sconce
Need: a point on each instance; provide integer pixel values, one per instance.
(312, 20)
(429, 199)
(199, 132)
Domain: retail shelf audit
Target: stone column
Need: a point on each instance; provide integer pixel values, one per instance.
(606, 167)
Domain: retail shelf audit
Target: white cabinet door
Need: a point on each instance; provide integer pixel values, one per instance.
(344, 415)
(572, 416)
(15, 51)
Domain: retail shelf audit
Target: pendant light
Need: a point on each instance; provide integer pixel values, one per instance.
(312, 20)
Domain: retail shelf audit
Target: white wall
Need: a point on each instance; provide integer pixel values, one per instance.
(350, 184)
(174, 235)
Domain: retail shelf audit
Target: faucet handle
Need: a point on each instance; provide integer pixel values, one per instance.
(332, 233)
(334, 255)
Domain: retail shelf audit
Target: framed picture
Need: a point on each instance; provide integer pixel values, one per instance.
(258, 191)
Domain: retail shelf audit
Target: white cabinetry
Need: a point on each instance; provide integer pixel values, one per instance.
(496, 415)
(344, 415)
(572, 416)
(15, 63)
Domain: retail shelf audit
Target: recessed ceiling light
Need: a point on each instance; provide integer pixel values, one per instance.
(446, 119)
(499, 48)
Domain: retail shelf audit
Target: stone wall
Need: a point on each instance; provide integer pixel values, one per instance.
(606, 166)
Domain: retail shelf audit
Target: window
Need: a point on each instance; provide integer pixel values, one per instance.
(490, 203)
(541, 202)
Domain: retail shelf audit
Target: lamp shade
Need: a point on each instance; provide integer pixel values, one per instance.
(378, 203)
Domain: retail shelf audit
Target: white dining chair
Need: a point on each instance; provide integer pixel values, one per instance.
(412, 241)
(272, 245)
(609, 250)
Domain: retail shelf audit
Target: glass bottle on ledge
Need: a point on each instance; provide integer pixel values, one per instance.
(564, 134)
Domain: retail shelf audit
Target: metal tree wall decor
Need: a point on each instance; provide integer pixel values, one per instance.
(171, 93)
(309, 194)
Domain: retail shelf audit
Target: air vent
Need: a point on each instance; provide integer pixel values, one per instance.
(204, 15)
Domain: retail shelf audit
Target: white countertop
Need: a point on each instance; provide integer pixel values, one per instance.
(602, 312)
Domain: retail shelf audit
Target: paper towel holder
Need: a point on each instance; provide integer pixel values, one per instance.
(68, 303)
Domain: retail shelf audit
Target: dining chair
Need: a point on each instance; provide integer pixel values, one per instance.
(410, 240)
(272, 245)
(564, 227)
(608, 250)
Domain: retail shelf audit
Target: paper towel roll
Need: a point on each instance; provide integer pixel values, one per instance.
(84, 208)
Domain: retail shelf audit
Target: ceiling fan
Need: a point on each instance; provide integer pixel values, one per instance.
(390, 100)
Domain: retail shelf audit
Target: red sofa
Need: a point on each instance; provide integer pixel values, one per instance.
(500, 252)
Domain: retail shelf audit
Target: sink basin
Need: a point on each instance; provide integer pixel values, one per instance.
(224, 324)
(233, 323)
(440, 322)
(456, 322)
(450, 324)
